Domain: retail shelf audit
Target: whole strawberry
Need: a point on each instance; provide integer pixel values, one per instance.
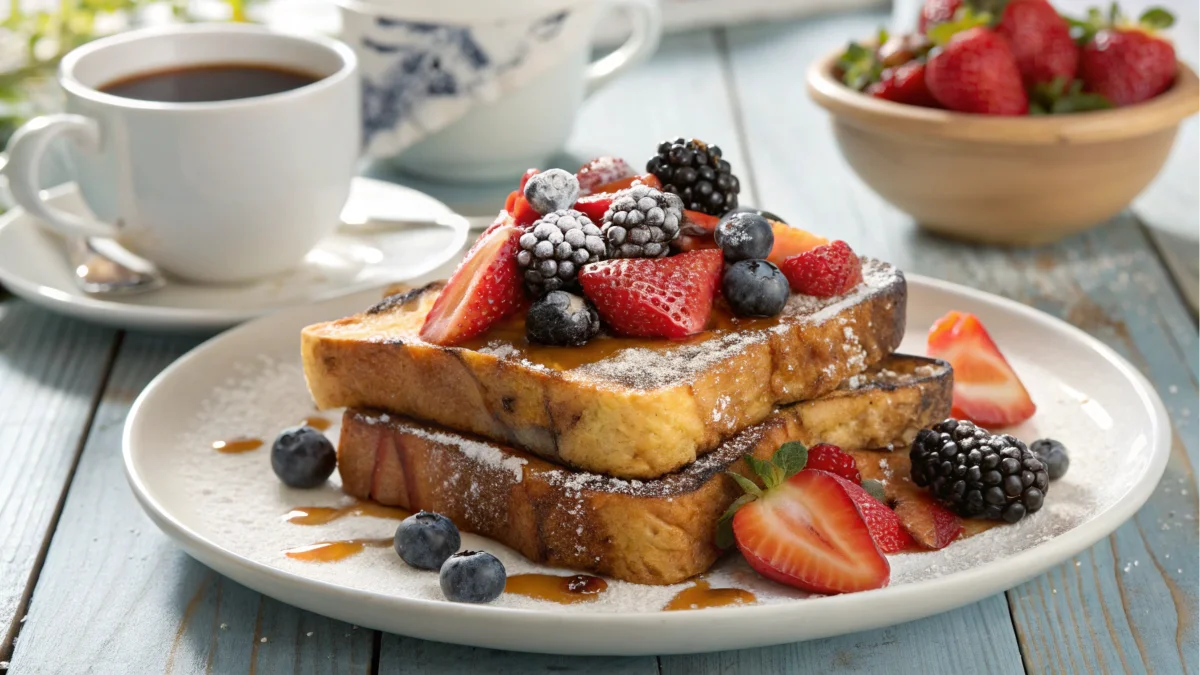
(1128, 63)
(1040, 40)
(975, 72)
(934, 12)
(904, 84)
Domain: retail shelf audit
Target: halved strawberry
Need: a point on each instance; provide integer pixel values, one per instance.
(503, 218)
(654, 297)
(524, 213)
(802, 528)
(887, 531)
(594, 206)
(484, 289)
(833, 459)
(986, 389)
(929, 523)
(599, 171)
(825, 271)
(791, 241)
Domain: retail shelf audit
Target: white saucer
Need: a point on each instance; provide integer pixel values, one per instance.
(224, 509)
(33, 266)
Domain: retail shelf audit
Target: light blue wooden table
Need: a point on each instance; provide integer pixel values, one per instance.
(87, 584)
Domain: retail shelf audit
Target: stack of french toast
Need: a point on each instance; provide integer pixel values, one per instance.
(594, 421)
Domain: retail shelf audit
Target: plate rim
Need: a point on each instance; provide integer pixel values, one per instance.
(913, 600)
(126, 315)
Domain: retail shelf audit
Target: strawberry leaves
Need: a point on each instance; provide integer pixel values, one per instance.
(787, 461)
(1058, 98)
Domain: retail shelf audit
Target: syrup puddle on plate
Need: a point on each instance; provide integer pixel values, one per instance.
(320, 515)
(233, 446)
(563, 590)
(333, 551)
(701, 595)
(317, 422)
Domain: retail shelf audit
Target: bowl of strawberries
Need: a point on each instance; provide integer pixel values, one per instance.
(1002, 121)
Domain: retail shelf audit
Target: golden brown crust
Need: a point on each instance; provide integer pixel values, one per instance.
(618, 416)
(653, 532)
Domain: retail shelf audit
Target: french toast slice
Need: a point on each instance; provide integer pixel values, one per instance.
(651, 532)
(616, 406)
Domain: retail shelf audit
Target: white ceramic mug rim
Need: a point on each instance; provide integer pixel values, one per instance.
(451, 16)
(74, 87)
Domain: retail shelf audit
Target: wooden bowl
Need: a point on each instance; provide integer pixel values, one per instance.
(1004, 180)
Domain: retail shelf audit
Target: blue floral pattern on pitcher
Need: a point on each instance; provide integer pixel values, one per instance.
(430, 61)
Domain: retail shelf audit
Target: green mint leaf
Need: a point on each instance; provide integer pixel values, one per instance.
(1157, 18)
(725, 524)
(875, 489)
(791, 457)
(746, 484)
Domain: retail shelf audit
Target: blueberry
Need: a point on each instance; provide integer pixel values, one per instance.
(755, 288)
(472, 576)
(562, 319)
(552, 190)
(1053, 454)
(302, 457)
(426, 540)
(744, 236)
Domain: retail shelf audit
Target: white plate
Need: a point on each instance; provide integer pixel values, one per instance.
(34, 266)
(225, 509)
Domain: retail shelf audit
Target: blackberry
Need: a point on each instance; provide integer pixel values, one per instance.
(555, 247)
(977, 474)
(641, 223)
(695, 171)
(562, 319)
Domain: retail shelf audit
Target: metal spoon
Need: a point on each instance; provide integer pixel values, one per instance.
(104, 267)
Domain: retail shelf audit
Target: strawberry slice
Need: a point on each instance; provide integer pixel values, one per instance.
(831, 458)
(687, 242)
(484, 289)
(825, 271)
(600, 171)
(808, 533)
(887, 531)
(986, 389)
(929, 523)
(629, 181)
(655, 297)
(791, 241)
(594, 206)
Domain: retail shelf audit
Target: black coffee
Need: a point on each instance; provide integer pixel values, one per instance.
(223, 82)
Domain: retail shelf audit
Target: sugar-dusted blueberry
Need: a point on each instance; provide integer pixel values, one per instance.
(303, 457)
(561, 319)
(472, 576)
(552, 190)
(755, 288)
(426, 540)
(1053, 454)
(744, 236)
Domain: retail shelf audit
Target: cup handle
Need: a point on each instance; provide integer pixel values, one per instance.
(25, 151)
(646, 16)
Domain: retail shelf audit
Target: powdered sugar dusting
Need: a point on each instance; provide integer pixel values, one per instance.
(483, 453)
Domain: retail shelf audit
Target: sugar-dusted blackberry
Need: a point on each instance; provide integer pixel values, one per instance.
(561, 319)
(978, 474)
(696, 172)
(554, 248)
(641, 223)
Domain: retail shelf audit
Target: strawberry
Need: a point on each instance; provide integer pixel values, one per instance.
(484, 289)
(833, 459)
(1127, 63)
(595, 205)
(599, 171)
(825, 271)
(934, 12)
(975, 71)
(655, 297)
(616, 185)
(694, 242)
(929, 523)
(698, 223)
(503, 218)
(986, 390)
(802, 528)
(791, 241)
(524, 213)
(1040, 40)
(904, 84)
(887, 531)
(529, 173)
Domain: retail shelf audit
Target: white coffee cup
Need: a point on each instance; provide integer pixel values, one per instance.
(217, 191)
(485, 89)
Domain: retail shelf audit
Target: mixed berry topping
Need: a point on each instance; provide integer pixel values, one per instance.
(555, 248)
(551, 191)
(754, 288)
(744, 235)
(696, 172)
(601, 171)
(642, 222)
(562, 319)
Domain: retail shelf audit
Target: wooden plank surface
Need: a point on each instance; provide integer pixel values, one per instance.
(117, 596)
(1109, 282)
(51, 369)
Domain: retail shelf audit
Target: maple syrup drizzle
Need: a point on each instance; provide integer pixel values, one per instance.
(333, 551)
(317, 422)
(320, 515)
(233, 446)
(511, 331)
(563, 590)
(701, 595)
